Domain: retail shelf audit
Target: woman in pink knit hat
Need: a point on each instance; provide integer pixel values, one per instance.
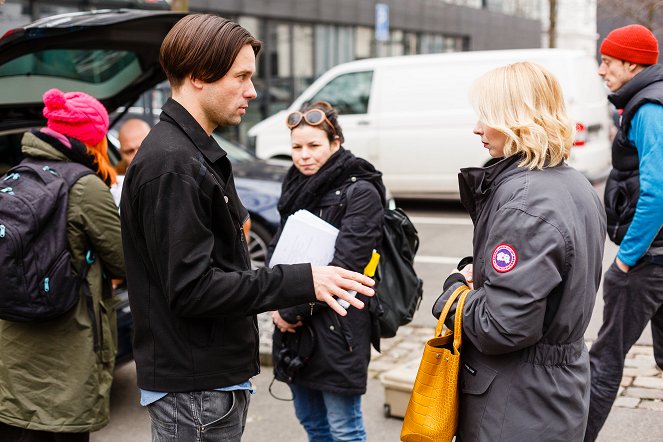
(55, 383)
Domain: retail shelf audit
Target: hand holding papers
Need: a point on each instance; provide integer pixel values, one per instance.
(308, 239)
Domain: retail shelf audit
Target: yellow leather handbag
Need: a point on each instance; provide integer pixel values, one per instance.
(432, 413)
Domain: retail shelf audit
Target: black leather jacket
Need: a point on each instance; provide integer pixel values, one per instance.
(191, 290)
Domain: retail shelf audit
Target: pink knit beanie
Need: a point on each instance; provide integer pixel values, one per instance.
(633, 43)
(77, 115)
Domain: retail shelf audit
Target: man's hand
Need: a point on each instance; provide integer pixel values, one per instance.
(283, 325)
(330, 281)
(620, 264)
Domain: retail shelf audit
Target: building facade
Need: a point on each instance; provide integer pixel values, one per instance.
(304, 38)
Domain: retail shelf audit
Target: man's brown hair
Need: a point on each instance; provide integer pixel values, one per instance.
(203, 46)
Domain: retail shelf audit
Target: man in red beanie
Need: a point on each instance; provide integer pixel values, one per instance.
(633, 285)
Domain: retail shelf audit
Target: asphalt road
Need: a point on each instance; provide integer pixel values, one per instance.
(446, 235)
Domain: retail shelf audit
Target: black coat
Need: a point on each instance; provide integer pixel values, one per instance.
(339, 362)
(193, 296)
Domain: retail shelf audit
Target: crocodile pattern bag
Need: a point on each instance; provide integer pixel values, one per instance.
(432, 413)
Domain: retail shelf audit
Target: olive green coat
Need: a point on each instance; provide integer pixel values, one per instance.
(50, 377)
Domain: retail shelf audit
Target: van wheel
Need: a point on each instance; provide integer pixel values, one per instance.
(387, 410)
(259, 239)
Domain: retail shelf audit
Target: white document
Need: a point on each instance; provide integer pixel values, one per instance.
(305, 238)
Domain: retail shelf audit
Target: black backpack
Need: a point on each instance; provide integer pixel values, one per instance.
(398, 288)
(37, 278)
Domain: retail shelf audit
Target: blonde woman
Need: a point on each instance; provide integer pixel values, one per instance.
(538, 246)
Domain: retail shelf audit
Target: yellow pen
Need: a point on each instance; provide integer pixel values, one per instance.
(369, 271)
(372, 265)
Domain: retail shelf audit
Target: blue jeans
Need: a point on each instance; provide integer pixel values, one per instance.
(199, 416)
(329, 417)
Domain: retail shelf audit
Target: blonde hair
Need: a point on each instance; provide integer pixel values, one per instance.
(524, 102)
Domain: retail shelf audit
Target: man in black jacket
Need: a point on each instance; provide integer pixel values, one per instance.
(193, 294)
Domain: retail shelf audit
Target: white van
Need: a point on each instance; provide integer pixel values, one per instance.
(411, 115)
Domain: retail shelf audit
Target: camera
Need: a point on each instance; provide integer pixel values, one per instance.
(294, 351)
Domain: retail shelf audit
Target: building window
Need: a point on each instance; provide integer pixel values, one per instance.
(363, 42)
(302, 43)
(333, 45)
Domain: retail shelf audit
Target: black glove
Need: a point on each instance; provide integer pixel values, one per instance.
(464, 262)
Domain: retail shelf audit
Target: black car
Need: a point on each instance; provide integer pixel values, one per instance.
(112, 55)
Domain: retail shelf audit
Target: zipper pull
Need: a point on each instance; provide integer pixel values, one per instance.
(49, 170)
(2, 230)
(311, 304)
(47, 286)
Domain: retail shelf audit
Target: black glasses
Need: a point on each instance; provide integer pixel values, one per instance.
(313, 117)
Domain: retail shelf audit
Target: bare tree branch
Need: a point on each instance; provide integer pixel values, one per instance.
(648, 13)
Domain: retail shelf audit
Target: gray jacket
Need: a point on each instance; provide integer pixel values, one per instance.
(538, 246)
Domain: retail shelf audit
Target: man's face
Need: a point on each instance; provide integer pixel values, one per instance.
(225, 101)
(616, 73)
(131, 135)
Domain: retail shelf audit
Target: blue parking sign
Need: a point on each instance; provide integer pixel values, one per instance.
(381, 22)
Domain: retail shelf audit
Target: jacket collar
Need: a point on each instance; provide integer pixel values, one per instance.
(649, 75)
(175, 113)
(34, 147)
(476, 183)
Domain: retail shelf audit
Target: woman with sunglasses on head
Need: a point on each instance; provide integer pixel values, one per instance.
(347, 192)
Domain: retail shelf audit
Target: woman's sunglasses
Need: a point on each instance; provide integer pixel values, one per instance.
(313, 117)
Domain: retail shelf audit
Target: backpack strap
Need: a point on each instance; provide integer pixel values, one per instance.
(89, 300)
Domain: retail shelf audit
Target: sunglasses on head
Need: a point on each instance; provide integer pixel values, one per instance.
(313, 117)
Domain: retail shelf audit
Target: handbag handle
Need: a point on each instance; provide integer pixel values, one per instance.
(447, 307)
(458, 321)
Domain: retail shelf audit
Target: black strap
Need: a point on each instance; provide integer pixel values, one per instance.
(89, 300)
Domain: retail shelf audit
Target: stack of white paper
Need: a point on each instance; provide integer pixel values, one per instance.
(305, 238)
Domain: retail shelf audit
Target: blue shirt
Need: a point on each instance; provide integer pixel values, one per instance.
(147, 397)
(646, 134)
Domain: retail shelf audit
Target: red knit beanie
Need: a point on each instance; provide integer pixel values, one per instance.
(633, 43)
(77, 115)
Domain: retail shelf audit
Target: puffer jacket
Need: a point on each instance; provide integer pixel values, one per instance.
(339, 361)
(50, 377)
(538, 248)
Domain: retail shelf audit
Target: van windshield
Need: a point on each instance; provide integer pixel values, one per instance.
(348, 93)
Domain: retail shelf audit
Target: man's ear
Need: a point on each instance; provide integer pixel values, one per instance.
(195, 82)
(633, 67)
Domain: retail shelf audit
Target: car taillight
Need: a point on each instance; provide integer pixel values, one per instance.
(10, 32)
(581, 135)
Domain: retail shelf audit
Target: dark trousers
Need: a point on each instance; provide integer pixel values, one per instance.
(9, 433)
(631, 300)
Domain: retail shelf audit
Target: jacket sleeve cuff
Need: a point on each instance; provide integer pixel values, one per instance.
(452, 279)
(626, 260)
(298, 278)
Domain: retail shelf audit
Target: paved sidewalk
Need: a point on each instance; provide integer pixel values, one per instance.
(641, 388)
